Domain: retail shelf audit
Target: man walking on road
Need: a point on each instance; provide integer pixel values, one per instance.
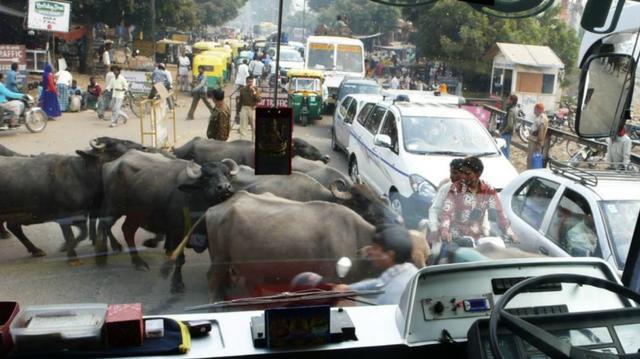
(118, 87)
(105, 99)
(247, 101)
(619, 150)
(199, 92)
(219, 121)
(183, 72)
(255, 68)
(242, 74)
(507, 126)
(537, 133)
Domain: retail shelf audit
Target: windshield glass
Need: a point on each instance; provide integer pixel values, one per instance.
(462, 136)
(305, 84)
(321, 56)
(349, 59)
(620, 220)
(360, 88)
(290, 55)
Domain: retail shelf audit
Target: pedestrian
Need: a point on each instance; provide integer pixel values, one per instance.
(127, 54)
(75, 97)
(199, 92)
(49, 95)
(442, 88)
(219, 121)
(158, 76)
(105, 100)
(118, 87)
(11, 82)
(537, 133)
(247, 100)
(92, 95)
(508, 123)
(183, 72)
(395, 82)
(63, 82)
(242, 74)
(256, 70)
(619, 150)
(106, 56)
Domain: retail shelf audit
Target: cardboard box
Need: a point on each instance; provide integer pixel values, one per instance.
(124, 325)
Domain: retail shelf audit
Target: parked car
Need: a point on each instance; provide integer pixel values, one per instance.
(564, 211)
(355, 86)
(403, 149)
(343, 118)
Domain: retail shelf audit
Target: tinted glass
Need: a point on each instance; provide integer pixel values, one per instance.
(531, 201)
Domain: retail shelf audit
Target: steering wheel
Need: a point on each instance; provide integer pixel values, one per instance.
(548, 343)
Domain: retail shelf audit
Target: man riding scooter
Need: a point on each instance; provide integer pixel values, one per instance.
(10, 101)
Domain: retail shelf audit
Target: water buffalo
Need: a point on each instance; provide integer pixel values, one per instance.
(202, 150)
(156, 193)
(5, 152)
(265, 238)
(319, 171)
(55, 188)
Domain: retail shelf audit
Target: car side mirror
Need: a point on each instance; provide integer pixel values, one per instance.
(502, 144)
(382, 141)
(605, 85)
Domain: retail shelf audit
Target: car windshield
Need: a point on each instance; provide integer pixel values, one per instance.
(349, 59)
(460, 136)
(290, 55)
(620, 220)
(360, 88)
(305, 84)
(321, 56)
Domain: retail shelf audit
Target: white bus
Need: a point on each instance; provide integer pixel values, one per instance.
(338, 57)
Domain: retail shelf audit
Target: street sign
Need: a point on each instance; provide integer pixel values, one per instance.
(10, 54)
(49, 15)
(139, 81)
(266, 93)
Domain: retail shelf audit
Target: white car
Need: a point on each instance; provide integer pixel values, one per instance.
(403, 149)
(290, 59)
(343, 118)
(572, 212)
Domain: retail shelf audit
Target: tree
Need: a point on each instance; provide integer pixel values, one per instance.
(217, 12)
(318, 5)
(365, 17)
(462, 37)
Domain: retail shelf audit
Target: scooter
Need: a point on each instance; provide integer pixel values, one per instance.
(33, 117)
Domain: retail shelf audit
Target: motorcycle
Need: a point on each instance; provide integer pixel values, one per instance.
(565, 115)
(586, 154)
(33, 117)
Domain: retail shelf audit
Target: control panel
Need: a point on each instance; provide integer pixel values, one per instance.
(457, 306)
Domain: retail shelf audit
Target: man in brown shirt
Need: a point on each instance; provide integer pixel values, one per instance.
(537, 133)
(247, 100)
(219, 121)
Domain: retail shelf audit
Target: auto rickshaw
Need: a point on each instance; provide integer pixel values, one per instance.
(306, 95)
(202, 46)
(214, 68)
(168, 51)
(221, 51)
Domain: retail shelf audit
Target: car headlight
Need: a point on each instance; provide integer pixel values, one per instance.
(421, 186)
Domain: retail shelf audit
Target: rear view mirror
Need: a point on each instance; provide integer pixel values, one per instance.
(596, 13)
(382, 141)
(605, 85)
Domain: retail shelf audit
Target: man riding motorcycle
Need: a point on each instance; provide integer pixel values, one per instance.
(10, 101)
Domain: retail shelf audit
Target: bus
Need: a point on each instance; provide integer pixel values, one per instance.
(337, 57)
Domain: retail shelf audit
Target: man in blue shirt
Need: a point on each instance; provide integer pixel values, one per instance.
(12, 83)
(8, 102)
(391, 252)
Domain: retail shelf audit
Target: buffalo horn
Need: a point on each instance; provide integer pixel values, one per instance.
(94, 144)
(233, 166)
(359, 180)
(343, 195)
(193, 171)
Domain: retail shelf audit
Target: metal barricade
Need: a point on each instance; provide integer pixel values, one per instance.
(157, 116)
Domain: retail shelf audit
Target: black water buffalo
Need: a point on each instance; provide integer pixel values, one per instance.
(157, 193)
(202, 150)
(57, 188)
(319, 171)
(265, 238)
(5, 152)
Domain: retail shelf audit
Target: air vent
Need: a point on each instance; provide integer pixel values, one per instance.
(501, 285)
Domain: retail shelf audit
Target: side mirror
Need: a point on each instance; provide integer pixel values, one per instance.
(343, 266)
(605, 85)
(501, 143)
(382, 141)
(596, 13)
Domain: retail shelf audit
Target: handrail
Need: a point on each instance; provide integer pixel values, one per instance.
(154, 104)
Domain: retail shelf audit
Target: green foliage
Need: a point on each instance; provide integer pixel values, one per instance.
(365, 17)
(455, 33)
(318, 5)
(217, 12)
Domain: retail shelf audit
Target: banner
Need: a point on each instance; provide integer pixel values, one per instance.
(10, 54)
(48, 15)
(140, 81)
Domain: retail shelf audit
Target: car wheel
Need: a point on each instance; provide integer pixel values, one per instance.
(396, 204)
(354, 171)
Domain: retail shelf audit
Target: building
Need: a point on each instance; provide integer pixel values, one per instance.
(531, 72)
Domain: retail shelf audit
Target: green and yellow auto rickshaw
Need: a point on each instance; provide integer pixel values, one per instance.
(202, 46)
(306, 94)
(228, 58)
(214, 67)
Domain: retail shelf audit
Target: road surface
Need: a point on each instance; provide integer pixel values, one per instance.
(50, 279)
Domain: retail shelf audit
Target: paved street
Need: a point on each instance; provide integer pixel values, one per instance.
(25, 278)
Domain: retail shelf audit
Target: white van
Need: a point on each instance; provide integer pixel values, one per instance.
(337, 57)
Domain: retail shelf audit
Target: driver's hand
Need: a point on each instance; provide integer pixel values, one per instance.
(445, 236)
(341, 288)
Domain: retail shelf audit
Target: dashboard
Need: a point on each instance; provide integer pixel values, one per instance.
(437, 310)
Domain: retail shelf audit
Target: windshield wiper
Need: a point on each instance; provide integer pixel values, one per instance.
(287, 297)
(484, 154)
(446, 153)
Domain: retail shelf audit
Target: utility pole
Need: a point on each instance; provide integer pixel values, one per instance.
(304, 23)
(153, 28)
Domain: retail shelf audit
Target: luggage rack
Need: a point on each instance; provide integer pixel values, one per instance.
(590, 177)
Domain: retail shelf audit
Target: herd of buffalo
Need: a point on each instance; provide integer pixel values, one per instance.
(302, 222)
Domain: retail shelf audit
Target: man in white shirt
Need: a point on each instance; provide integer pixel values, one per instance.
(455, 174)
(619, 150)
(395, 82)
(255, 69)
(63, 82)
(106, 57)
(242, 74)
(118, 87)
(105, 98)
(183, 72)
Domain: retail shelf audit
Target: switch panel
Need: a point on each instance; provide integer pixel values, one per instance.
(451, 307)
